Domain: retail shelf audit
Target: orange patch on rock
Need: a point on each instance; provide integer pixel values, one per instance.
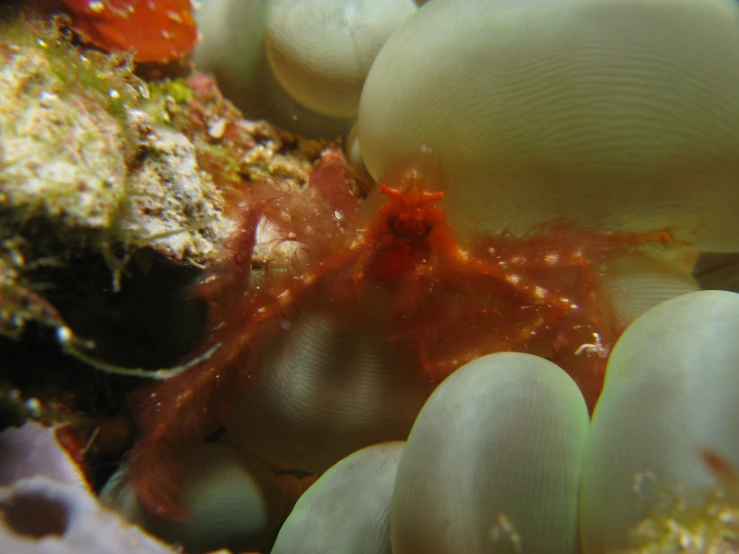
(159, 30)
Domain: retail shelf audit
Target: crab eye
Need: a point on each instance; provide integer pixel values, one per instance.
(409, 228)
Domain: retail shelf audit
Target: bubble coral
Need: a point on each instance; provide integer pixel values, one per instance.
(328, 388)
(670, 392)
(234, 500)
(160, 31)
(502, 457)
(300, 64)
(348, 508)
(502, 436)
(613, 114)
(324, 391)
(321, 51)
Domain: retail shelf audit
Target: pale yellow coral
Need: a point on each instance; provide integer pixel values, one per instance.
(611, 113)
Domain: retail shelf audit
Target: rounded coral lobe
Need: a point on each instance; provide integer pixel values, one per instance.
(593, 110)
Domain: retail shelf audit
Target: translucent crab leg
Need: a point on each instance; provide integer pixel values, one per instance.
(184, 409)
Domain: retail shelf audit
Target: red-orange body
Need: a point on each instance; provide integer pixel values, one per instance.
(160, 31)
(442, 302)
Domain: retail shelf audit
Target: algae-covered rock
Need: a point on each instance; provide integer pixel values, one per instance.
(76, 151)
(172, 205)
(63, 151)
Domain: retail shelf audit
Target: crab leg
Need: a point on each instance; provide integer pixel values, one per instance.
(185, 409)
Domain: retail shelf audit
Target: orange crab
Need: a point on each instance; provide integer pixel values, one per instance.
(160, 31)
(444, 299)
